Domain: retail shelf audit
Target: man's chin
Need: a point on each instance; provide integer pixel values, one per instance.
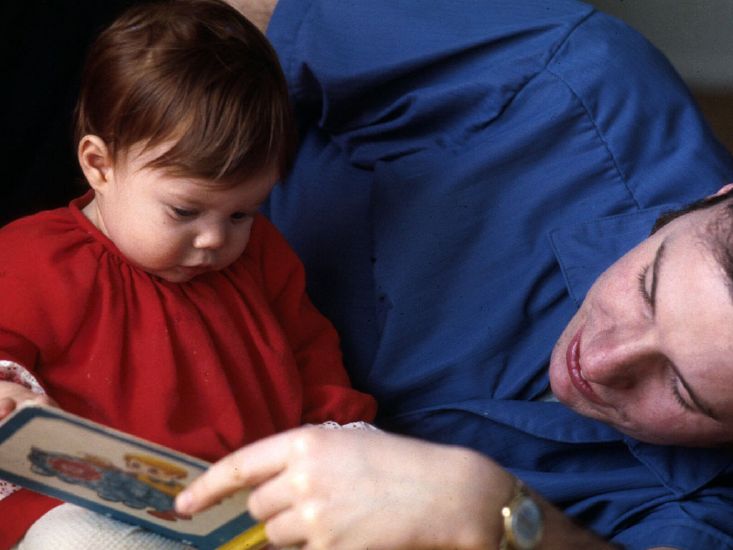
(560, 384)
(564, 392)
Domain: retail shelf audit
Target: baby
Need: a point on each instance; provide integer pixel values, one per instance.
(160, 302)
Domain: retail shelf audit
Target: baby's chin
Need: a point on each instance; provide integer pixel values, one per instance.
(178, 274)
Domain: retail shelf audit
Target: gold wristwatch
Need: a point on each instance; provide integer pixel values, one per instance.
(523, 522)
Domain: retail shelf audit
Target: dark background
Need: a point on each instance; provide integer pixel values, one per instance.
(44, 44)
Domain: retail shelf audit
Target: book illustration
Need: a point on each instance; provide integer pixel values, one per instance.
(144, 482)
(113, 473)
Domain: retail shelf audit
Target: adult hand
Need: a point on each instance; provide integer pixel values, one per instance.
(258, 12)
(354, 489)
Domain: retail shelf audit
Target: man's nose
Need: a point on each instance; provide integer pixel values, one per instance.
(617, 357)
(211, 236)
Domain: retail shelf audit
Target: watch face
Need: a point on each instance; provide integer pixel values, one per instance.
(526, 524)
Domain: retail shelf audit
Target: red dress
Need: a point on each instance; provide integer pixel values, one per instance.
(204, 366)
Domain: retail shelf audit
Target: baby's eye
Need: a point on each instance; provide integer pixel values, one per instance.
(183, 212)
(239, 216)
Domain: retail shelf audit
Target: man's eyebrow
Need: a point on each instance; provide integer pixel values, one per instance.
(655, 274)
(699, 403)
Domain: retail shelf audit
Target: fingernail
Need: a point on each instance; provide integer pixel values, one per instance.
(184, 501)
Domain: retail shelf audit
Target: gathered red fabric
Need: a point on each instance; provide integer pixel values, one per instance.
(203, 367)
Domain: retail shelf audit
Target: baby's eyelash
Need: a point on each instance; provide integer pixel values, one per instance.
(240, 216)
(183, 212)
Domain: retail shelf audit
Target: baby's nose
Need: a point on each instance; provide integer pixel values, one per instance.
(212, 236)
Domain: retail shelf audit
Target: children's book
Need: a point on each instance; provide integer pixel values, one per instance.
(130, 479)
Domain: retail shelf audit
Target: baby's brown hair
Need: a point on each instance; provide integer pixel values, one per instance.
(195, 73)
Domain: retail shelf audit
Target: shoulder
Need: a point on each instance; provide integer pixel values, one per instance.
(36, 234)
(643, 111)
(267, 241)
(35, 223)
(268, 256)
(49, 242)
(607, 48)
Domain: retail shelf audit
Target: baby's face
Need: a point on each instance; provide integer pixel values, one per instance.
(175, 227)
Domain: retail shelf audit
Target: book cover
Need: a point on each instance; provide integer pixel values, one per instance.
(116, 474)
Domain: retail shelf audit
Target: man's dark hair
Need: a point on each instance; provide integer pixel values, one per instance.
(720, 228)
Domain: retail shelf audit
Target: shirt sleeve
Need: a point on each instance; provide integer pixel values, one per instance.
(44, 288)
(24, 324)
(26, 327)
(327, 393)
(387, 79)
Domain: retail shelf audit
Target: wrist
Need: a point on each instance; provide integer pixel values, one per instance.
(522, 521)
(482, 489)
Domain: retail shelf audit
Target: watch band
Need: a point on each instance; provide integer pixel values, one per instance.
(522, 521)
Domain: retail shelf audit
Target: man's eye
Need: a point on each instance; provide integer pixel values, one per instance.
(678, 396)
(239, 216)
(642, 287)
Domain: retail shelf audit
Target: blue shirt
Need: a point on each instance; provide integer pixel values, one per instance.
(466, 171)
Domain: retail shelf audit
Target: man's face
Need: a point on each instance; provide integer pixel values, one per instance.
(650, 351)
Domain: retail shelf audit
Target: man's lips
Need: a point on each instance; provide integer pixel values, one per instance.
(572, 356)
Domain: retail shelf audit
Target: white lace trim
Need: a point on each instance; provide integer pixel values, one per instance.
(7, 489)
(13, 372)
(364, 426)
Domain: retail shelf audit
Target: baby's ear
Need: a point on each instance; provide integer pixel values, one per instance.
(95, 161)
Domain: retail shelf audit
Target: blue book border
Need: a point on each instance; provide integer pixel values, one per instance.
(23, 416)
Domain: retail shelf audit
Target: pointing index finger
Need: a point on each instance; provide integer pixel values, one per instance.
(242, 469)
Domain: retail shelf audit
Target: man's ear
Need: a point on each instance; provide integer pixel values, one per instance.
(727, 187)
(95, 161)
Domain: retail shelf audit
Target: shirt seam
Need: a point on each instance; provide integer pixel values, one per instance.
(296, 89)
(548, 69)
